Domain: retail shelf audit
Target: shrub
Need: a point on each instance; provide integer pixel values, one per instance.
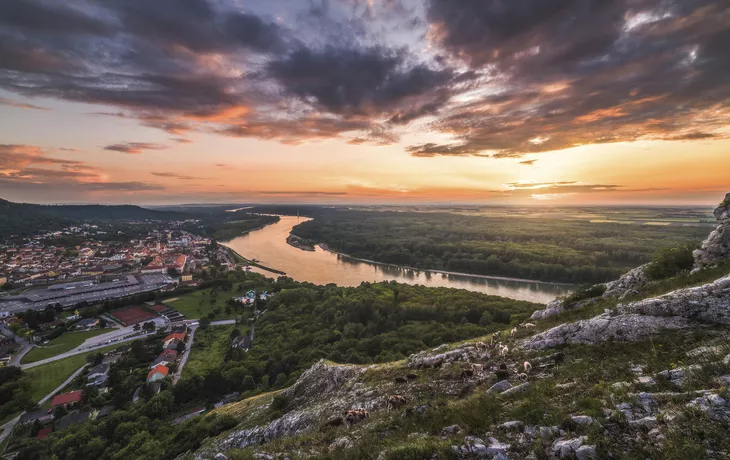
(587, 292)
(669, 262)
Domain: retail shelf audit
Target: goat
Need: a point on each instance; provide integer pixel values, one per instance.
(527, 366)
(522, 376)
(395, 401)
(356, 415)
(528, 326)
(503, 350)
(466, 373)
(334, 422)
(400, 380)
(480, 346)
(412, 376)
(477, 368)
(513, 331)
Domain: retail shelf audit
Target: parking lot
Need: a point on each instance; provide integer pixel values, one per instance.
(38, 299)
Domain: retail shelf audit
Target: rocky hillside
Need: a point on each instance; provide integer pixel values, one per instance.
(636, 368)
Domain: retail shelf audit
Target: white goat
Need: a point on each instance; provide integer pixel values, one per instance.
(514, 331)
(527, 366)
(503, 350)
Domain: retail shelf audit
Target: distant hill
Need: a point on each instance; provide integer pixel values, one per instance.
(101, 212)
(23, 219)
(18, 219)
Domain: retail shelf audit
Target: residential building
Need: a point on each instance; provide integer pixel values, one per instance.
(67, 399)
(159, 372)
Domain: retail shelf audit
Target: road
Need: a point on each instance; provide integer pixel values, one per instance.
(81, 349)
(8, 427)
(25, 346)
(184, 358)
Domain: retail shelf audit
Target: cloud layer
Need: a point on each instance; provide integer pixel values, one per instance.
(485, 77)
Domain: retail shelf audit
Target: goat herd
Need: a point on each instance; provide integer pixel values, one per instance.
(470, 370)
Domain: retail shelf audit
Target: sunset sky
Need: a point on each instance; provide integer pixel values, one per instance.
(365, 101)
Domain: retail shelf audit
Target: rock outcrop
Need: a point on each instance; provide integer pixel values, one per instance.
(717, 246)
(322, 392)
(602, 328)
(630, 282)
(553, 308)
(709, 303)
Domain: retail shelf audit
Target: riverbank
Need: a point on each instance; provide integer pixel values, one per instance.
(299, 243)
(246, 261)
(324, 247)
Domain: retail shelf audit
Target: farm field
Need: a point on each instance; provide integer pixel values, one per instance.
(62, 344)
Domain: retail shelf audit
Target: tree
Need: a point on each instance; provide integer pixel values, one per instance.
(59, 412)
(172, 272)
(204, 323)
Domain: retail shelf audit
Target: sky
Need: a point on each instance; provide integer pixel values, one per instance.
(365, 101)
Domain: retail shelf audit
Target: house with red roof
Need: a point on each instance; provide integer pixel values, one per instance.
(158, 372)
(67, 399)
(43, 433)
(174, 336)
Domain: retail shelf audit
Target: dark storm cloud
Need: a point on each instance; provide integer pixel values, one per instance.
(577, 72)
(355, 81)
(49, 16)
(134, 148)
(533, 75)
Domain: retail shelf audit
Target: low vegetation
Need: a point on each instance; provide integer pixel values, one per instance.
(668, 262)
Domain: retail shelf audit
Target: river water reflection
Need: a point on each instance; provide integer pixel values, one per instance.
(270, 248)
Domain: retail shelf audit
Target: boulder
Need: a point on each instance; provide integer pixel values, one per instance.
(451, 430)
(716, 247)
(499, 387)
(585, 452)
(566, 448)
(582, 419)
(516, 389)
(630, 282)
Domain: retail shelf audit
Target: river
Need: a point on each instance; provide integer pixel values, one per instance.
(268, 245)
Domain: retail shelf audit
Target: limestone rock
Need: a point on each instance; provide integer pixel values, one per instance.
(499, 387)
(566, 448)
(605, 327)
(341, 443)
(632, 281)
(553, 308)
(516, 389)
(451, 429)
(717, 246)
(585, 452)
(582, 419)
(709, 303)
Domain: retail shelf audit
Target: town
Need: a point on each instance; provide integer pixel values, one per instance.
(93, 304)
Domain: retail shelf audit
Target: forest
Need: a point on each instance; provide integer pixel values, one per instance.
(366, 324)
(556, 250)
(301, 324)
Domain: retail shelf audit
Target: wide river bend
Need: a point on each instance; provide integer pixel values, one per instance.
(268, 245)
